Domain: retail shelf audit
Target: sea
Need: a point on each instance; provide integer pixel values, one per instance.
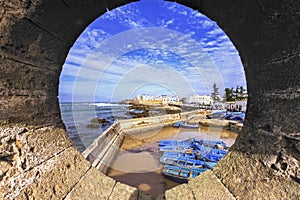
(79, 123)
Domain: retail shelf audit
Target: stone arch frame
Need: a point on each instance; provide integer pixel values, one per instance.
(38, 159)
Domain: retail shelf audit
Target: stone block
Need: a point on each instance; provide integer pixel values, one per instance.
(247, 178)
(94, 185)
(52, 179)
(124, 192)
(30, 147)
(208, 186)
(180, 192)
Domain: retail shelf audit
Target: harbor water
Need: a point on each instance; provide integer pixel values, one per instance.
(137, 163)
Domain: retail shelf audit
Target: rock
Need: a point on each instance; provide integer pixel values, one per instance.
(94, 120)
(103, 120)
(4, 167)
(6, 153)
(99, 120)
(92, 125)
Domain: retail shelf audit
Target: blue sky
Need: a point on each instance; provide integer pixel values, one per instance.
(149, 47)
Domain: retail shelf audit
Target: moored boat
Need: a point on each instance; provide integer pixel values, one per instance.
(177, 124)
(181, 174)
(186, 159)
(182, 124)
(174, 148)
(186, 162)
(174, 142)
(174, 145)
(186, 125)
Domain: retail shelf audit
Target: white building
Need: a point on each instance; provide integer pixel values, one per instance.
(199, 99)
(240, 105)
(173, 99)
(147, 97)
(164, 99)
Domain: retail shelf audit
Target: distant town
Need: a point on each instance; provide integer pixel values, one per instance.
(234, 99)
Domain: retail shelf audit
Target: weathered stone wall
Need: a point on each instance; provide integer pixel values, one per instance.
(37, 158)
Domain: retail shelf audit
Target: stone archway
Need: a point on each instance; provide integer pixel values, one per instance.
(37, 158)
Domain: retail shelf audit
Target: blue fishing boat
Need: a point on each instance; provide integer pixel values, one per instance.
(175, 145)
(186, 162)
(174, 142)
(181, 174)
(177, 124)
(209, 154)
(190, 126)
(185, 159)
(187, 154)
(182, 124)
(211, 143)
(185, 145)
(174, 148)
(202, 153)
(236, 116)
(217, 115)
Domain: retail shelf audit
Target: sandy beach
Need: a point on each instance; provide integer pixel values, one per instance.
(138, 165)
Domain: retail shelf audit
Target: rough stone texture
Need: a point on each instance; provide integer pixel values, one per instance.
(239, 178)
(94, 185)
(180, 192)
(52, 179)
(208, 186)
(23, 148)
(29, 90)
(124, 192)
(32, 146)
(35, 37)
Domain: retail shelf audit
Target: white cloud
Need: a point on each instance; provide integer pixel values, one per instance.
(206, 24)
(198, 14)
(215, 32)
(211, 43)
(170, 21)
(184, 13)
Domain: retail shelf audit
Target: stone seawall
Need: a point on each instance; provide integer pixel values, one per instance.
(103, 150)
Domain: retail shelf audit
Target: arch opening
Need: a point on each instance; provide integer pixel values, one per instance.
(180, 54)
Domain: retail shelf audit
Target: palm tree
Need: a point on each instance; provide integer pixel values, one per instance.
(215, 94)
(229, 96)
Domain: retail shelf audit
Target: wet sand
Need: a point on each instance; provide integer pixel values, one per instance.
(137, 163)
